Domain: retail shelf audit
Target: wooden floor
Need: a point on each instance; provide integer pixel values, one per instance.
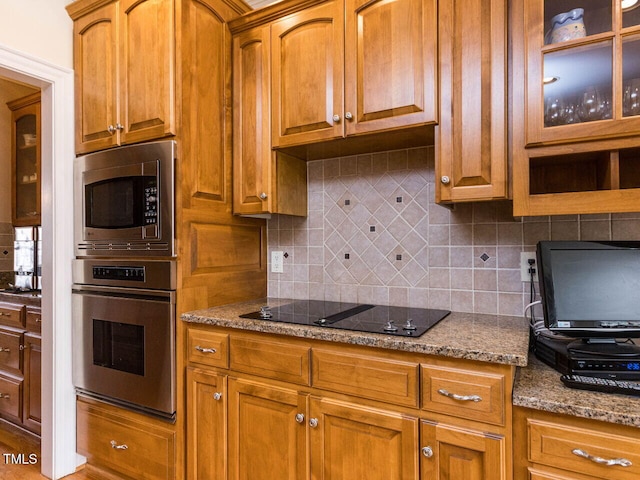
(20, 456)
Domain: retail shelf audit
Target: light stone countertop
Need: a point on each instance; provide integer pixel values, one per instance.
(487, 338)
(538, 386)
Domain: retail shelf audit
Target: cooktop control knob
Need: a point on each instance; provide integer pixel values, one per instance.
(265, 312)
(409, 325)
(390, 327)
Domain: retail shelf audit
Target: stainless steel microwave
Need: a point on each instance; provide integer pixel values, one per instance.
(124, 201)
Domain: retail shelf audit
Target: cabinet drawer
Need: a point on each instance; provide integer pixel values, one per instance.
(10, 398)
(464, 393)
(34, 320)
(270, 359)
(10, 351)
(386, 380)
(12, 315)
(208, 348)
(104, 432)
(557, 445)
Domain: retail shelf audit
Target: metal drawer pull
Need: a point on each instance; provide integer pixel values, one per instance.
(205, 350)
(5, 395)
(3, 314)
(462, 398)
(427, 452)
(623, 462)
(5, 349)
(115, 445)
(38, 319)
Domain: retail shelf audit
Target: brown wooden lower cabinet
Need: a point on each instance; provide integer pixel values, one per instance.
(242, 425)
(122, 444)
(20, 365)
(551, 446)
(450, 452)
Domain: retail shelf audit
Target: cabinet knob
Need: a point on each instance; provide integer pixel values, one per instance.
(111, 129)
(300, 417)
(445, 180)
(263, 196)
(348, 116)
(5, 395)
(217, 396)
(336, 118)
(119, 127)
(115, 445)
(313, 422)
(427, 452)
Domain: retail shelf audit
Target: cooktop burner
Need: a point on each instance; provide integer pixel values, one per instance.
(388, 320)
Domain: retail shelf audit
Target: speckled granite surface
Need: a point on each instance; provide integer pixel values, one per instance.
(30, 299)
(539, 387)
(488, 338)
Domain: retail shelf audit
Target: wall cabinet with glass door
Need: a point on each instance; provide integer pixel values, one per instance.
(26, 153)
(576, 105)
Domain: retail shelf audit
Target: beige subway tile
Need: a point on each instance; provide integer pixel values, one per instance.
(462, 278)
(485, 279)
(510, 304)
(625, 229)
(485, 234)
(462, 301)
(485, 302)
(565, 230)
(509, 281)
(461, 256)
(595, 230)
(510, 234)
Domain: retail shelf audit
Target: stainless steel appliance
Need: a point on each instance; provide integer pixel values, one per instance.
(124, 317)
(27, 258)
(387, 320)
(126, 199)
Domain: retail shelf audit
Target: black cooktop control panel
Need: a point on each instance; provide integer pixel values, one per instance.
(134, 274)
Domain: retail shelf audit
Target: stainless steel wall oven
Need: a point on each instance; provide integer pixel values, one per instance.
(124, 316)
(124, 291)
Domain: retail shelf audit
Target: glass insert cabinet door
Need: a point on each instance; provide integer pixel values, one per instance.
(583, 69)
(26, 161)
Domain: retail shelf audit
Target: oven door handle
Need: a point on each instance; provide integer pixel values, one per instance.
(167, 295)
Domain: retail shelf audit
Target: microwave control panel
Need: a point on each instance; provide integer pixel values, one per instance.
(135, 274)
(151, 205)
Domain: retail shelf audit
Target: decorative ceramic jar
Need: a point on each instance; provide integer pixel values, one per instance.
(566, 26)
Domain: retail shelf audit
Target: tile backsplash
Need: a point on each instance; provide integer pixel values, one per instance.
(375, 235)
(6, 254)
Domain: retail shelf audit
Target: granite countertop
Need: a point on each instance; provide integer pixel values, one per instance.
(31, 299)
(488, 338)
(538, 386)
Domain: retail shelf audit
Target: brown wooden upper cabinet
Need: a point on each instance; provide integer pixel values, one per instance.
(471, 138)
(124, 70)
(341, 69)
(576, 110)
(26, 160)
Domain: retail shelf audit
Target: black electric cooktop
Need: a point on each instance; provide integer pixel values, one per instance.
(400, 321)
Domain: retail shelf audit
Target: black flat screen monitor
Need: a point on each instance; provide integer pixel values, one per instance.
(590, 290)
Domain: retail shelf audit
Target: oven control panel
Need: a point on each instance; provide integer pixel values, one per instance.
(135, 274)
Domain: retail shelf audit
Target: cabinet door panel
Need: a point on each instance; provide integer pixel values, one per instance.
(206, 425)
(96, 79)
(147, 69)
(251, 122)
(458, 454)
(265, 440)
(471, 139)
(390, 64)
(351, 441)
(32, 404)
(307, 76)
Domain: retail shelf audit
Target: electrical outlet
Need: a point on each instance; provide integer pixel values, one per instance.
(277, 262)
(525, 276)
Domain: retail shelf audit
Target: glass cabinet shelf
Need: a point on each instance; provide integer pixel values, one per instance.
(583, 70)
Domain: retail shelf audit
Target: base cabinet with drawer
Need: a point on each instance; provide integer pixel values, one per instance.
(552, 446)
(122, 444)
(20, 365)
(274, 406)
